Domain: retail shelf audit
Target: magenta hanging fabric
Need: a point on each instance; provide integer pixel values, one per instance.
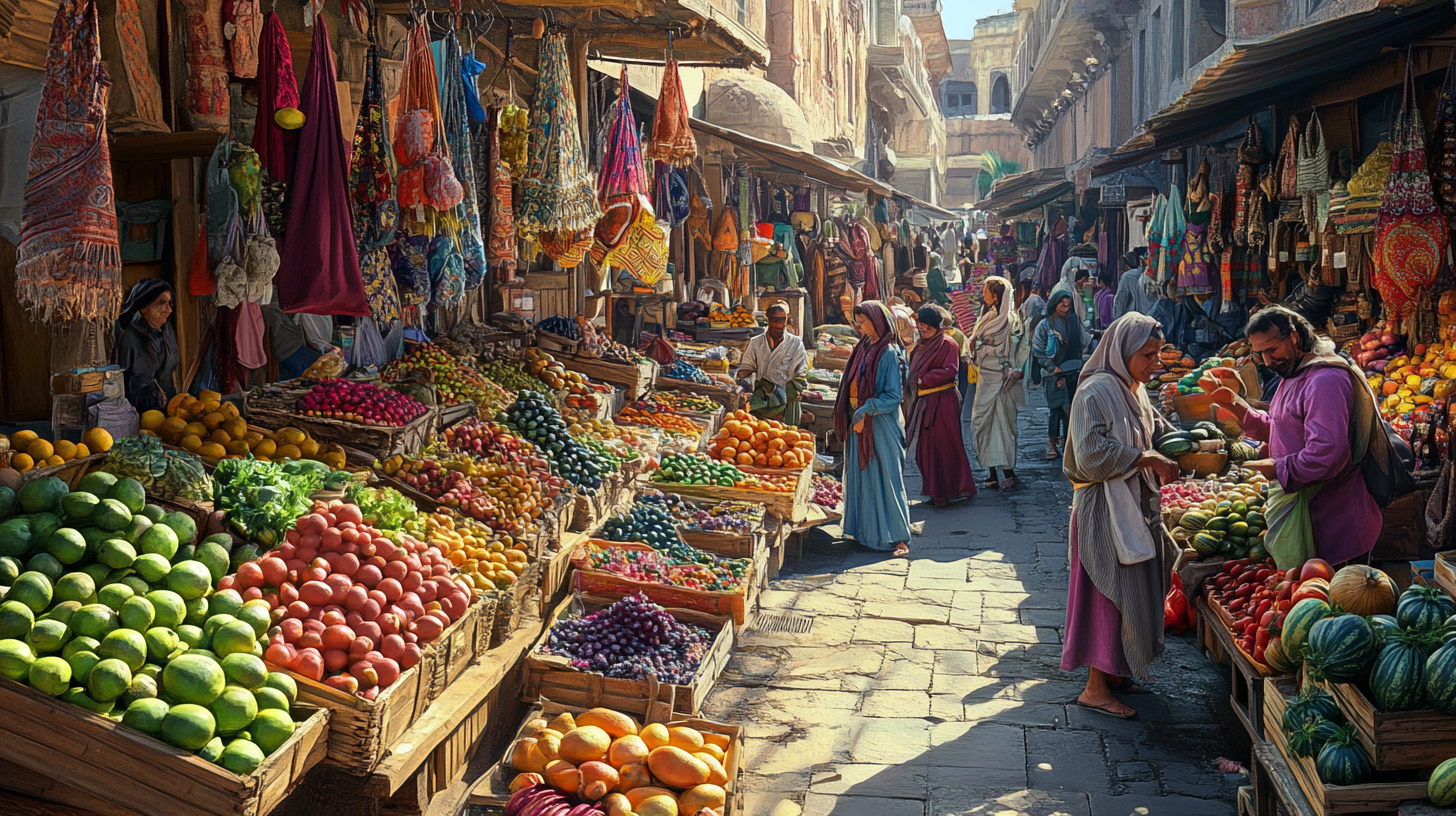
(277, 90)
(623, 182)
(319, 273)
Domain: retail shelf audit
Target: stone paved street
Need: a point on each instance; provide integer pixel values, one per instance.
(932, 686)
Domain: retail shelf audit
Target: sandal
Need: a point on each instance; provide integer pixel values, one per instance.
(902, 550)
(1052, 454)
(1125, 685)
(1008, 483)
(1113, 709)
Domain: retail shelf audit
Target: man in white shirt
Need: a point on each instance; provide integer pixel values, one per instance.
(778, 365)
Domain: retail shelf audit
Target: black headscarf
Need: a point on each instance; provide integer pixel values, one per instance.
(142, 295)
(930, 316)
(1069, 327)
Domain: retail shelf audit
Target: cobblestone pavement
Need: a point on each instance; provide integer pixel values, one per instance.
(932, 686)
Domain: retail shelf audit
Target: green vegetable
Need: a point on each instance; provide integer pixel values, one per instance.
(261, 500)
(384, 508)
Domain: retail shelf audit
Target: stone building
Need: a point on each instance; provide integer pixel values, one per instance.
(976, 98)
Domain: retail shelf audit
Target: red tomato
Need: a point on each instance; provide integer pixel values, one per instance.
(1316, 568)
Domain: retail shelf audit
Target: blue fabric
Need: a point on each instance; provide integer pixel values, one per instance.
(876, 511)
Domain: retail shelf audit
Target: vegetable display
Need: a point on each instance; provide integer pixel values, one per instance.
(659, 417)
(725, 517)
(166, 474)
(383, 507)
(680, 401)
(827, 491)
(684, 370)
(1229, 523)
(645, 522)
(631, 639)
(488, 559)
(262, 499)
(454, 381)
(695, 470)
(539, 423)
(364, 403)
(700, 571)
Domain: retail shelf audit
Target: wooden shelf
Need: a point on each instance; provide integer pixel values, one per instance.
(157, 147)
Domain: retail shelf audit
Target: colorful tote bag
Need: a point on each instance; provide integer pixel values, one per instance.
(1411, 236)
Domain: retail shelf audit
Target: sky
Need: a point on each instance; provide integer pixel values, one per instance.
(959, 16)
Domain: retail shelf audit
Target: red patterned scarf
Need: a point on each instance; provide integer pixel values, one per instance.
(69, 265)
(672, 139)
(1410, 232)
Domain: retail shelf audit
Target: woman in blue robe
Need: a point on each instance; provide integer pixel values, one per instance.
(867, 417)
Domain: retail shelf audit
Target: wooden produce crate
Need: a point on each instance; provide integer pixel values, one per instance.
(636, 380)
(361, 731)
(1397, 740)
(597, 582)
(490, 794)
(728, 545)
(1384, 795)
(555, 567)
(551, 677)
(119, 765)
(1445, 571)
(1245, 675)
(69, 472)
(791, 507)
(451, 415)
(378, 441)
(511, 603)
(1275, 789)
(730, 398)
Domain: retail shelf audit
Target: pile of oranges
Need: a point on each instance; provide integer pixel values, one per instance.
(213, 429)
(28, 450)
(747, 440)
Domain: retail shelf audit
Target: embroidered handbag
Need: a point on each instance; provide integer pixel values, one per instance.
(1313, 172)
(725, 234)
(1252, 150)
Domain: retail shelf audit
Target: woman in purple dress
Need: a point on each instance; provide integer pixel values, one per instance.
(932, 411)
(1119, 568)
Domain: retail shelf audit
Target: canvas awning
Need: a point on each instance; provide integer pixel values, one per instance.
(1024, 191)
(811, 165)
(1253, 75)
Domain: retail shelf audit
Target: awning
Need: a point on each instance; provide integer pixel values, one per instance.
(1024, 191)
(913, 203)
(1254, 75)
(811, 165)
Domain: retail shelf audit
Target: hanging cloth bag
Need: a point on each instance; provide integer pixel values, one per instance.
(622, 185)
(1443, 143)
(371, 178)
(201, 281)
(249, 336)
(1313, 173)
(672, 139)
(1289, 161)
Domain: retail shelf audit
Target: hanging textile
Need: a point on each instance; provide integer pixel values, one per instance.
(277, 90)
(621, 185)
(132, 58)
(411, 268)
(470, 68)
(501, 249)
(379, 285)
(1411, 233)
(454, 113)
(672, 139)
(1289, 161)
(243, 21)
(69, 260)
(1193, 265)
(1312, 176)
(1053, 254)
(206, 97)
(371, 180)
(557, 194)
(222, 201)
(1443, 143)
(319, 269)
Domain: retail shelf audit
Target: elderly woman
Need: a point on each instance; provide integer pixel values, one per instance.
(999, 348)
(1121, 556)
(932, 411)
(146, 346)
(867, 418)
(1058, 345)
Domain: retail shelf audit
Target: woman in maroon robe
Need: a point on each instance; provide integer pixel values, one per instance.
(933, 410)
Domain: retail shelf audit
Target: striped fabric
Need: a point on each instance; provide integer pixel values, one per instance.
(1101, 418)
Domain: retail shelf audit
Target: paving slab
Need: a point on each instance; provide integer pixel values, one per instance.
(890, 742)
(887, 781)
(963, 801)
(816, 804)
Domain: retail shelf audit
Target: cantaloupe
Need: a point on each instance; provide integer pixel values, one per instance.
(655, 735)
(626, 751)
(562, 723)
(658, 806)
(677, 767)
(639, 795)
(634, 776)
(526, 756)
(563, 776)
(688, 739)
(702, 796)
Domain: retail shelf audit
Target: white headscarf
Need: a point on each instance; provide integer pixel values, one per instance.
(991, 325)
(1069, 283)
(1119, 343)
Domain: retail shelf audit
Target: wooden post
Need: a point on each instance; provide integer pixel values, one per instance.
(579, 78)
(184, 236)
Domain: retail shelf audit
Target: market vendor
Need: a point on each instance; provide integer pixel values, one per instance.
(1319, 427)
(778, 366)
(146, 345)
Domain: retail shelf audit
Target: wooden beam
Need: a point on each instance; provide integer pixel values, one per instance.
(184, 237)
(159, 147)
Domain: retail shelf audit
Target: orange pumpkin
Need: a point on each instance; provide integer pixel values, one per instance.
(1363, 590)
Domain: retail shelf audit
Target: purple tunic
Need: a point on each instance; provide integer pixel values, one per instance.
(1307, 428)
(1094, 624)
(934, 426)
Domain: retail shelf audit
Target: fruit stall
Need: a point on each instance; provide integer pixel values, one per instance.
(246, 605)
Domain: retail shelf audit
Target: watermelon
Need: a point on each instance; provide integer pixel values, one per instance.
(1342, 761)
(1398, 678)
(1340, 649)
(1308, 739)
(1384, 626)
(1423, 607)
(1297, 623)
(1441, 788)
(1441, 679)
(1205, 543)
(1312, 705)
(1194, 520)
(1275, 657)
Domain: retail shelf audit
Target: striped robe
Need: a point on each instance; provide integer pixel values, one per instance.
(1105, 441)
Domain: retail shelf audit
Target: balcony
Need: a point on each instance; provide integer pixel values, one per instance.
(898, 77)
(1059, 36)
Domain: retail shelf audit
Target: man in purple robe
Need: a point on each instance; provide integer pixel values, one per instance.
(932, 411)
(1308, 428)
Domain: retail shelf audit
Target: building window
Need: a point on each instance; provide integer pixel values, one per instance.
(1000, 94)
(960, 99)
(743, 12)
(1175, 40)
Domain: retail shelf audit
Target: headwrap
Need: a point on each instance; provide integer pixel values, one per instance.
(994, 324)
(863, 370)
(930, 316)
(142, 295)
(1119, 343)
(1069, 327)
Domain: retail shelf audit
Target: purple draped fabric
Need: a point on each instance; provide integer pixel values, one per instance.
(318, 271)
(934, 426)
(1053, 255)
(1094, 625)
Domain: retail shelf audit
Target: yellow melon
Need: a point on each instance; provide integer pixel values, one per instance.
(152, 420)
(229, 410)
(265, 447)
(614, 723)
(65, 449)
(627, 750)
(212, 450)
(98, 440)
(213, 420)
(289, 436)
(634, 776)
(637, 796)
(563, 776)
(40, 449)
(688, 739)
(220, 436)
(585, 744)
(173, 427)
(658, 806)
(677, 767)
(54, 460)
(190, 443)
(720, 740)
(655, 735)
(236, 428)
(287, 452)
(309, 448)
(21, 462)
(237, 447)
(716, 774)
(702, 796)
(82, 451)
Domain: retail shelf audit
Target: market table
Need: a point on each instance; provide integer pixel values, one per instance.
(1246, 679)
(1274, 784)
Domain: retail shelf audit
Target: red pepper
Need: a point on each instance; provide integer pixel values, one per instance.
(1244, 591)
(1259, 654)
(1261, 639)
(1236, 569)
(1262, 609)
(1236, 604)
(1222, 580)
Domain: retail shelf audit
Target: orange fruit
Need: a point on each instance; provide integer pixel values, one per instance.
(309, 448)
(190, 443)
(151, 420)
(729, 454)
(288, 452)
(212, 450)
(775, 461)
(20, 440)
(22, 462)
(745, 458)
(213, 420)
(54, 460)
(265, 447)
(98, 440)
(65, 449)
(40, 449)
(759, 460)
(172, 427)
(82, 451)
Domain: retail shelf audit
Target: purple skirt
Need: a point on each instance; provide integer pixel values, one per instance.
(1093, 635)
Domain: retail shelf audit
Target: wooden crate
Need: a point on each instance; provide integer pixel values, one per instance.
(511, 604)
(555, 568)
(1245, 675)
(636, 380)
(1384, 795)
(69, 472)
(361, 731)
(792, 507)
(551, 677)
(1445, 572)
(1403, 530)
(111, 762)
(730, 398)
(375, 440)
(448, 416)
(1276, 791)
(457, 647)
(1398, 740)
(490, 794)
(728, 545)
(609, 584)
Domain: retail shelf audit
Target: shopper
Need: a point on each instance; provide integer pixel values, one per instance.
(1120, 554)
(999, 348)
(932, 411)
(1104, 298)
(146, 345)
(1132, 296)
(1076, 277)
(1058, 346)
(1319, 426)
(867, 418)
(779, 368)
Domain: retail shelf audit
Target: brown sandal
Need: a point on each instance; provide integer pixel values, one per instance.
(902, 550)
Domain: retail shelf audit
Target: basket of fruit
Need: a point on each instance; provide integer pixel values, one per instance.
(679, 576)
(785, 494)
(362, 416)
(681, 647)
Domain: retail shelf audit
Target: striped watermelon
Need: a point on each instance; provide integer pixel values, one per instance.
(1308, 739)
(1297, 623)
(1398, 678)
(1312, 705)
(1340, 649)
(1424, 608)
(1441, 679)
(1275, 657)
(1441, 788)
(1384, 627)
(1343, 761)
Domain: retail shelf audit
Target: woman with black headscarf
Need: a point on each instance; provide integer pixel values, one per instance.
(146, 346)
(1058, 345)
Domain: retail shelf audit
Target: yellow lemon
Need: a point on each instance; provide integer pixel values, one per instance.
(54, 460)
(98, 440)
(22, 462)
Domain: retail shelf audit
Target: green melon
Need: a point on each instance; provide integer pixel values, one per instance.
(79, 506)
(131, 495)
(74, 586)
(159, 539)
(146, 716)
(115, 595)
(50, 675)
(33, 590)
(138, 614)
(82, 663)
(271, 729)
(188, 726)
(15, 659)
(117, 553)
(126, 645)
(97, 483)
(161, 643)
(48, 636)
(1341, 649)
(108, 680)
(41, 495)
(10, 569)
(241, 756)
(234, 709)
(1398, 678)
(1342, 761)
(111, 515)
(1441, 787)
(16, 620)
(193, 678)
(1297, 623)
(94, 621)
(15, 537)
(170, 607)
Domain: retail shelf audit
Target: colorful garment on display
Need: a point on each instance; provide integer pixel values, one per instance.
(1053, 254)
(557, 194)
(411, 268)
(566, 248)
(455, 118)
(69, 259)
(1166, 230)
(142, 87)
(447, 270)
(1313, 173)
(500, 250)
(672, 139)
(1411, 235)
(1443, 145)
(206, 97)
(621, 187)
(1289, 161)
(319, 271)
(244, 18)
(277, 90)
(371, 182)
(470, 68)
(1193, 264)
